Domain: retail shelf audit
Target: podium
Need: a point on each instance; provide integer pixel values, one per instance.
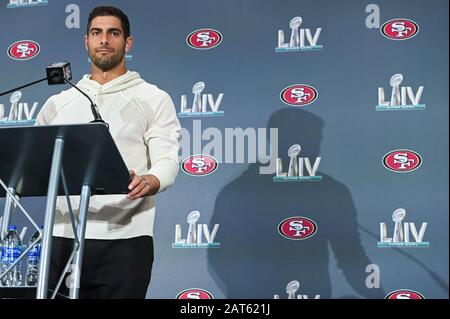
(33, 162)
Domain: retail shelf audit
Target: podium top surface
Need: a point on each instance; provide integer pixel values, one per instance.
(90, 157)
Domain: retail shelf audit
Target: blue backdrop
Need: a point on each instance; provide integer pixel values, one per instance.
(347, 65)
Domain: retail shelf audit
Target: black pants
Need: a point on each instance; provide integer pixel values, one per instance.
(111, 268)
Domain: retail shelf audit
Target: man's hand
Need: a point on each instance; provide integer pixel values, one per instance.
(143, 185)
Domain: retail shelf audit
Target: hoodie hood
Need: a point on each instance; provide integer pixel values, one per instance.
(125, 81)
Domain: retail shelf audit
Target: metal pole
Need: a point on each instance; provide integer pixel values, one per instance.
(9, 203)
(81, 230)
(52, 193)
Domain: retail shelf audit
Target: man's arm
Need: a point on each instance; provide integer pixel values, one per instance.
(161, 139)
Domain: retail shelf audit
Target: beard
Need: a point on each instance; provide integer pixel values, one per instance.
(109, 61)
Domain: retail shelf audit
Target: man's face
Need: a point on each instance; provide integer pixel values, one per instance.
(106, 43)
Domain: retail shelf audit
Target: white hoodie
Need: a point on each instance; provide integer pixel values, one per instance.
(143, 123)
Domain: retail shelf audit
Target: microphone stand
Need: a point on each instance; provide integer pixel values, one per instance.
(94, 109)
(24, 86)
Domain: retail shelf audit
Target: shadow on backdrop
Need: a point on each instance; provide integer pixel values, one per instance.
(254, 260)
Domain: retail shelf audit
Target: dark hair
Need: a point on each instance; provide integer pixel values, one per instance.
(110, 11)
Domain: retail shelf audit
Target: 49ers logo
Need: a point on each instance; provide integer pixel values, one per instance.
(402, 161)
(297, 228)
(199, 165)
(298, 95)
(23, 50)
(399, 29)
(404, 294)
(194, 293)
(204, 39)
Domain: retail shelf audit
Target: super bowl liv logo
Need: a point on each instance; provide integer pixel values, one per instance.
(399, 96)
(26, 3)
(19, 113)
(402, 232)
(200, 103)
(298, 37)
(292, 289)
(194, 237)
(296, 168)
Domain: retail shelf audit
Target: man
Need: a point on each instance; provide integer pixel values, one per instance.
(118, 253)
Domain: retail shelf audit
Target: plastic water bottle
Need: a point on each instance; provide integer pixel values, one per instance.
(11, 250)
(34, 256)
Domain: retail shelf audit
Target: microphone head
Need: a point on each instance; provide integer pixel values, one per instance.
(58, 73)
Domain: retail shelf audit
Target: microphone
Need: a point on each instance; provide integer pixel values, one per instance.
(60, 73)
